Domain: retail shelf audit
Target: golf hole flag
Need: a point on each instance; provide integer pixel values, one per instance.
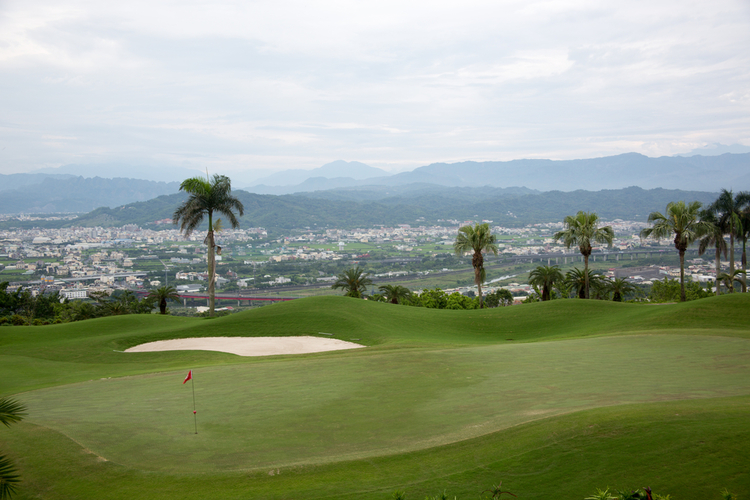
(195, 418)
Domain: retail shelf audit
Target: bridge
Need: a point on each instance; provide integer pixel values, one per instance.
(225, 296)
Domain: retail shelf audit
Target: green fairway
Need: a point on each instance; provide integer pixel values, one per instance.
(584, 393)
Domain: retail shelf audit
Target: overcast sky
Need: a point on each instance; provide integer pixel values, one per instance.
(258, 85)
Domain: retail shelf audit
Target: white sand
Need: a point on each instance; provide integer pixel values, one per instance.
(248, 346)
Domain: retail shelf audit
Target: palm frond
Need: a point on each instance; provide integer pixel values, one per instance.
(11, 411)
(9, 477)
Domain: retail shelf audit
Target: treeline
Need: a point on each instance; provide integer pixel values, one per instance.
(436, 298)
(21, 307)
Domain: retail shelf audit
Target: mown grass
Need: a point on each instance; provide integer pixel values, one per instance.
(553, 399)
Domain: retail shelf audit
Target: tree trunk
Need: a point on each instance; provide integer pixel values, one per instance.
(683, 298)
(478, 261)
(731, 251)
(718, 270)
(163, 306)
(744, 265)
(586, 274)
(211, 274)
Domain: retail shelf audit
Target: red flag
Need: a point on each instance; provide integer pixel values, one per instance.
(190, 375)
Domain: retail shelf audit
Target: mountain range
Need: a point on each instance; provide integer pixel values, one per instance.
(704, 173)
(36, 193)
(355, 181)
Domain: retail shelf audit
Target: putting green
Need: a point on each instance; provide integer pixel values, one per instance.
(333, 407)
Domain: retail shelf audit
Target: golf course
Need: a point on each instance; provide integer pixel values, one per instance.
(555, 399)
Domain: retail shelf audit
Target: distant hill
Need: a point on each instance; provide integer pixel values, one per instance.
(704, 173)
(503, 207)
(156, 173)
(78, 194)
(353, 170)
(15, 181)
(696, 173)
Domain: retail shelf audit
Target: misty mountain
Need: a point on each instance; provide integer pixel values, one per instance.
(309, 185)
(118, 170)
(336, 169)
(15, 181)
(698, 173)
(78, 194)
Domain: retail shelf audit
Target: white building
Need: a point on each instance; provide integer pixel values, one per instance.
(74, 294)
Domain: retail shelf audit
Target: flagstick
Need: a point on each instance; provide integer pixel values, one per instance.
(195, 416)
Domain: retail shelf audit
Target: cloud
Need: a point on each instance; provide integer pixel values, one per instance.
(283, 84)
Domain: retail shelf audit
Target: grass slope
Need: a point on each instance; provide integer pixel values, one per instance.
(585, 394)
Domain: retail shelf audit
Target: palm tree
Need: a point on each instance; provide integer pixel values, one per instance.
(206, 197)
(11, 412)
(728, 209)
(545, 277)
(394, 293)
(355, 281)
(714, 237)
(619, 287)
(577, 280)
(582, 230)
(478, 239)
(744, 235)
(683, 221)
(162, 295)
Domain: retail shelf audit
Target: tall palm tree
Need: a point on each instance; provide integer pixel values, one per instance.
(162, 295)
(683, 221)
(545, 277)
(728, 207)
(354, 281)
(478, 239)
(394, 293)
(582, 229)
(715, 238)
(11, 411)
(207, 196)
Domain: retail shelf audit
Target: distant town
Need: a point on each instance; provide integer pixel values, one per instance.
(78, 261)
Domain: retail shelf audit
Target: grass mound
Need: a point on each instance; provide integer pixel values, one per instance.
(575, 392)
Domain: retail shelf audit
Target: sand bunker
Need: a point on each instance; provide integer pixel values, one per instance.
(249, 346)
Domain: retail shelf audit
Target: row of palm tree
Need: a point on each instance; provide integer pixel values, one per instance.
(546, 279)
(355, 281)
(728, 215)
(687, 223)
